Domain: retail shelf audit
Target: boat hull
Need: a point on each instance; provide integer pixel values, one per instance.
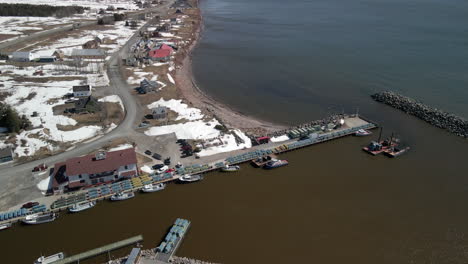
(121, 198)
(154, 189)
(230, 169)
(82, 208)
(40, 219)
(194, 178)
(5, 226)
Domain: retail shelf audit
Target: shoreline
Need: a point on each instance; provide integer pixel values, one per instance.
(191, 92)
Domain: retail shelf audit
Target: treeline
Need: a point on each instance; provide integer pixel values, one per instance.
(10, 119)
(39, 10)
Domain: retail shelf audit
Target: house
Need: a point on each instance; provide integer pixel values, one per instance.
(6, 155)
(81, 90)
(22, 56)
(132, 61)
(149, 86)
(59, 55)
(92, 44)
(160, 112)
(103, 167)
(97, 54)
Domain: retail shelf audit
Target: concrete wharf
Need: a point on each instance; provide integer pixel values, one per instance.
(100, 250)
(350, 126)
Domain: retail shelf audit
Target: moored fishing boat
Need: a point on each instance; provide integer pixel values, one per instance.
(153, 187)
(50, 259)
(190, 178)
(81, 207)
(275, 164)
(394, 152)
(35, 219)
(122, 196)
(230, 168)
(5, 226)
(362, 133)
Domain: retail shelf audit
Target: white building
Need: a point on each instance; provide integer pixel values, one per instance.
(23, 56)
(82, 90)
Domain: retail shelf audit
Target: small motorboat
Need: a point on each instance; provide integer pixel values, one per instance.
(190, 178)
(230, 168)
(396, 151)
(275, 164)
(81, 207)
(153, 187)
(5, 226)
(35, 219)
(50, 259)
(122, 196)
(362, 133)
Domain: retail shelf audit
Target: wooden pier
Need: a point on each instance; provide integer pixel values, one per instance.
(100, 250)
(166, 257)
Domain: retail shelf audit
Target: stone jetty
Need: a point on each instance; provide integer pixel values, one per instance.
(434, 116)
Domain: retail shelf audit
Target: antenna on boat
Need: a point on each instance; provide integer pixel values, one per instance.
(380, 135)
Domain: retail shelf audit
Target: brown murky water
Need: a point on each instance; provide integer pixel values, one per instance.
(332, 204)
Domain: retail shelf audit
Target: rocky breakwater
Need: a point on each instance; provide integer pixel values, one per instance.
(434, 116)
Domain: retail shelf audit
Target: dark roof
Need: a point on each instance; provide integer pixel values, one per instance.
(81, 88)
(159, 110)
(58, 177)
(6, 152)
(89, 165)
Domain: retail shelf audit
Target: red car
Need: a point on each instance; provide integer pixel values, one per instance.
(29, 205)
(170, 170)
(40, 167)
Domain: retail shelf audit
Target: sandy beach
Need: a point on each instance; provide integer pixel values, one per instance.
(191, 92)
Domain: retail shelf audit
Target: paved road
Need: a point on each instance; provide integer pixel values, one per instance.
(16, 182)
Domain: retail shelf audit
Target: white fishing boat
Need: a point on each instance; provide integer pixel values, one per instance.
(5, 226)
(190, 178)
(81, 207)
(362, 133)
(230, 168)
(35, 219)
(122, 196)
(50, 259)
(153, 187)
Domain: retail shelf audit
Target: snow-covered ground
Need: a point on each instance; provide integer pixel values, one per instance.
(182, 110)
(190, 130)
(230, 144)
(41, 97)
(118, 34)
(120, 147)
(127, 4)
(113, 99)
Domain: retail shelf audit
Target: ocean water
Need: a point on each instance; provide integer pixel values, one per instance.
(292, 61)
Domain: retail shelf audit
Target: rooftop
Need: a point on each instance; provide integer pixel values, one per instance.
(89, 165)
(88, 52)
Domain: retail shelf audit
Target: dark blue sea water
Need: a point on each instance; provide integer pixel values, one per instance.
(296, 60)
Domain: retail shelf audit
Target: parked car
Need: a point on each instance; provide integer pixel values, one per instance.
(158, 166)
(163, 169)
(40, 167)
(148, 152)
(170, 170)
(29, 205)
(167, 161)
(156, 156)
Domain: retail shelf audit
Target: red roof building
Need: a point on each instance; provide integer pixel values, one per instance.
(102, 167)
(162, 54)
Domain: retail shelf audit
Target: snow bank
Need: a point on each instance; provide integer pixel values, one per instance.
(43, 185)
(147, 169)
(170, 78)
(121, 146)
(230, 144)
(279, 139)
(190, 130)
(183, 110)
(113, 99)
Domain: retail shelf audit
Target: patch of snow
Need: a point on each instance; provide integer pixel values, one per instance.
(229, 144)
(147, 169)
(43, 185)
(113, 99)
(183, 110)
(121, 147)
(170, 78)
(190, 130)
(279, 139)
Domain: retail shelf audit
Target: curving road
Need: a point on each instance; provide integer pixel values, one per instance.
(16, 182)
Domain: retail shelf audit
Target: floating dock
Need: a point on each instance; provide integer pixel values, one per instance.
(172, 241)
(100, 250)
